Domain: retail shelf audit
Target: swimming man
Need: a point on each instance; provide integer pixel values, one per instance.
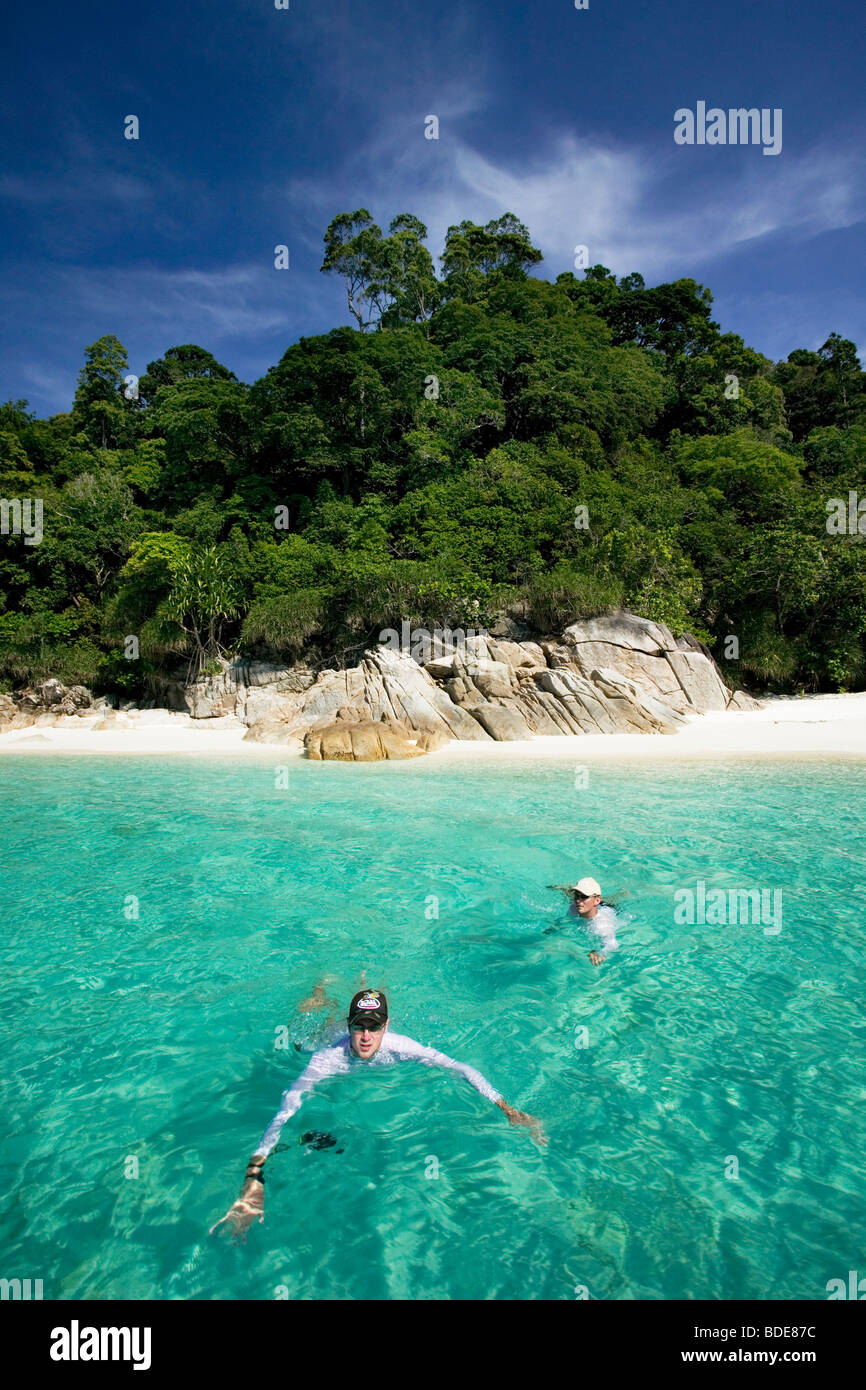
(366, 1041)
(599, 917)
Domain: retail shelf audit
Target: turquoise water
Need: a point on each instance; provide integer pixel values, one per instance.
(153, 1038)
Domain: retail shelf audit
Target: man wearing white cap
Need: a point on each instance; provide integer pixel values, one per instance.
(586, 903)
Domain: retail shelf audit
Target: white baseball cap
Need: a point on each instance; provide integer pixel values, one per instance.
(588, 887)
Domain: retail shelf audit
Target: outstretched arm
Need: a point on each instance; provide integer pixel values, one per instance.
(290, 1101)
(250, 1205)
(431, 1057)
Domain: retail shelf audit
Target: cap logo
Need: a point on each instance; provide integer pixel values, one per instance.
(369, 1001)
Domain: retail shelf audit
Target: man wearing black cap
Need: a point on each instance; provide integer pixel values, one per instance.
(367, 1038)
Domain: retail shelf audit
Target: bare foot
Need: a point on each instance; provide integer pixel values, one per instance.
(317, 1000)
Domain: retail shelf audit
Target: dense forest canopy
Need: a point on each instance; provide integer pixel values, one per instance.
(478, 441)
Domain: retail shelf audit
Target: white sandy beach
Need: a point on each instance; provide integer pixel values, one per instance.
(787, 727)
(833, 725)
(145, 731)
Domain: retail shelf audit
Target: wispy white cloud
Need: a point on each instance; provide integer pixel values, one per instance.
(247, 315)
(77, 187)
(230, 302)
(236, 301)
(634, 209)
(666, 214)
(53, 383)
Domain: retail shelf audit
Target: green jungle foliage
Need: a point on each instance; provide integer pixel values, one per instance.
(432, 463)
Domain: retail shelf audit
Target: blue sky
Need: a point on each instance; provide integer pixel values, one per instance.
(258, 125)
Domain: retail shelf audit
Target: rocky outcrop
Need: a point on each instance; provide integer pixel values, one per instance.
(385, 688)
(614, 674)
(349, 739)
(48, 704)
(52, 705)
(679, 671)
(54, 697)
(250, 690)
(740, 700)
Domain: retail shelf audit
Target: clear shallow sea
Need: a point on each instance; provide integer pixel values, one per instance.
(154, 1038)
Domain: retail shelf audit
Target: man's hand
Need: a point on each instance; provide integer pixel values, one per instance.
(249, 1207)
(597, 958)
(517, 1117)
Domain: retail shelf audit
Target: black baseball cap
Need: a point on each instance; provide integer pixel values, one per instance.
(369, 1006)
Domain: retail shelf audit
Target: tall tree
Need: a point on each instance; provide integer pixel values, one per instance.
(204, 596)
(472, 252)
(186, 363)
(409, 278)
(101, 411)
(353, 250)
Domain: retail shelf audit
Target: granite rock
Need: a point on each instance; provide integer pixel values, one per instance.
(618, 673)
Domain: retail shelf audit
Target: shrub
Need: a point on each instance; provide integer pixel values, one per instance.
(285, 621)
(549, 602)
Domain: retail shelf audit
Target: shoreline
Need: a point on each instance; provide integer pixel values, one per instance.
(786, 727)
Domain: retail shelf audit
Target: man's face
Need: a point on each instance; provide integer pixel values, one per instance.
(587, 906)
(366, 1041)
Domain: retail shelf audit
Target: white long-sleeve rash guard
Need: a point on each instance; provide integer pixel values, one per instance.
(603, 925)
(332, 1061)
